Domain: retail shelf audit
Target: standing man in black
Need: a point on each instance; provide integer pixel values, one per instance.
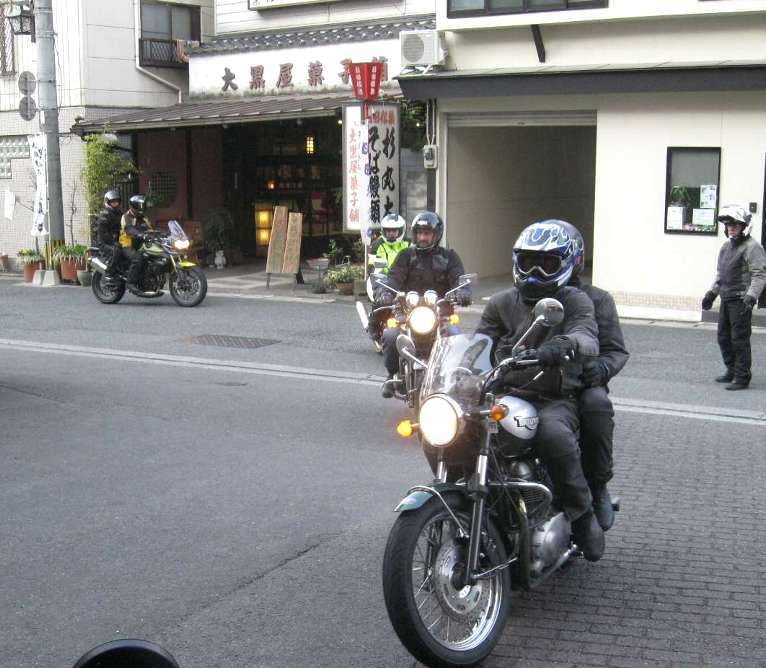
(739, 281)
(108, 230)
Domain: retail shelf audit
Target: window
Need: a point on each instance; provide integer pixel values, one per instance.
(691, 190)
(459, 8)
(169, 22)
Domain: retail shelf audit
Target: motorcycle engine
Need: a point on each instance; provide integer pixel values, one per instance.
(152, 280)
(549, 541)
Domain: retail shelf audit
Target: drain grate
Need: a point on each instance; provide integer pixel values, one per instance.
(226, 341)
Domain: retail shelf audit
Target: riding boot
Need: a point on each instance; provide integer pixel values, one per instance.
(602, 505)
(589, 536)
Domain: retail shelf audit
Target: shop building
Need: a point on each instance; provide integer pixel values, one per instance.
(633, 120)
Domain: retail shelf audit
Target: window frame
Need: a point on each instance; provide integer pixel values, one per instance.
(563, 6)
(194, 15)
(712, 150)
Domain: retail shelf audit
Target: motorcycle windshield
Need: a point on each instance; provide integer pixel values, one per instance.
(456, 366)
(176, 232)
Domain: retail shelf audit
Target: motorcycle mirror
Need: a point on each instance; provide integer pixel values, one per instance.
(549, 312)
(404, 344)
(468, 279)
(127, 653)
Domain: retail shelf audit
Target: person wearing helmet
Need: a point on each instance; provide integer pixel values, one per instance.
(108, 230)
(424, 266)
(392, 240)
(596, 410)
(133, 226)
(739, 281)
(544, 259)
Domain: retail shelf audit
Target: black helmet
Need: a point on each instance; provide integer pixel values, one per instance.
(427, 220)
(111, 196)
(137, 204)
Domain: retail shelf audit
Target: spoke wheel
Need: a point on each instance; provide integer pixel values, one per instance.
(440, 621)
(188, 287)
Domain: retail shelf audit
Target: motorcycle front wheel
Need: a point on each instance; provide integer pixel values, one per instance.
(438, 620)
(106, 293)
(188, 287)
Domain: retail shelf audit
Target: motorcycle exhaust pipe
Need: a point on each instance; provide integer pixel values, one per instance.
(98, 264)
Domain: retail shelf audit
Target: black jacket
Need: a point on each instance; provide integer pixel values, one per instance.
(437, 270)
(741, 269)
(108, 226)
(508, 316)
(612, 352)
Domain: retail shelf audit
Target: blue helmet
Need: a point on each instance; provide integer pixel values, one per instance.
(545, 257)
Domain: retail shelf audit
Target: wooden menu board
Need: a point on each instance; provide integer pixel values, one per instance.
(292, 257)
(277, 241)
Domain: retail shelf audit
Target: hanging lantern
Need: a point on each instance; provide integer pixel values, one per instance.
(366, 78)
(22, 20)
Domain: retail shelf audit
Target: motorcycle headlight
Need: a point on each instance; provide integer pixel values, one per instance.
(430, 297)
(439, 420)
(422, 320)
(412, 299)
(181, 244)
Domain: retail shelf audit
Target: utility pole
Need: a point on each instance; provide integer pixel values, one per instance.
(49, 113)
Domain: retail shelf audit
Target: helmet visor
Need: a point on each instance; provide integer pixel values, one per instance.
(545, 264)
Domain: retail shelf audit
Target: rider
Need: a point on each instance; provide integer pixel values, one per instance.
(108, 230)
(424, 266)
(393, 228)
(133, 226)
(596, 411)
(543, 261)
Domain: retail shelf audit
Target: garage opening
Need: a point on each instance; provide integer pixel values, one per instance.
(500, 179)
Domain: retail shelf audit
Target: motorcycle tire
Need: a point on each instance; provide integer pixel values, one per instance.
(483, 608)
(104, 294)
(192, 294)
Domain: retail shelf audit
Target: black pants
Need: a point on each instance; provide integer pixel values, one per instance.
(596, 434)
(557, 444)
(113, 253)
(136, 264)
(390, 353)
(734, 330)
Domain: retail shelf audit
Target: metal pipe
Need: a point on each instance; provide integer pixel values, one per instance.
(151, 75)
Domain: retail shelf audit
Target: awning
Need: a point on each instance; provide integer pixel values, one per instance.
(552, 80)
(217, 112)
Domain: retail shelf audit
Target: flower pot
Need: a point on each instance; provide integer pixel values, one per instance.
(30, 269)
(68, 270)
(360, 286)
(84, 277)
(345, 288)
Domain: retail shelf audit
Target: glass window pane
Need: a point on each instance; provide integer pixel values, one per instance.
(182, 24)
(692, 190)
(466, 5)
(155, 22)
(510, 5)
(545, 4)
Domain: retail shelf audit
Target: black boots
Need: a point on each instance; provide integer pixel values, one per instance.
(725, 378)
(738, 385)
(602, 506)
(589, 536)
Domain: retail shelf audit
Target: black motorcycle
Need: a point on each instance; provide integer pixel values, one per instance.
(487, 523)
(163, 261)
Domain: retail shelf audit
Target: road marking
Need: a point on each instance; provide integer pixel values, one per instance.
(627, 405)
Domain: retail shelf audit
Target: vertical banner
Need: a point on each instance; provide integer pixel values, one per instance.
(383, 137)
(356, 173)
(39, 154)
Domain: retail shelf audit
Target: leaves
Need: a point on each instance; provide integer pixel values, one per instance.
(104, 166)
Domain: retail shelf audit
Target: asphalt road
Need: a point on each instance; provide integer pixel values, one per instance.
(232, 503)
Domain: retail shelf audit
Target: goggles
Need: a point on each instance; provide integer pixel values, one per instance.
(545, 264)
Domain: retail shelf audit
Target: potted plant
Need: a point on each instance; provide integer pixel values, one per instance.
(343, 277)
(32, 261)
(70, 259)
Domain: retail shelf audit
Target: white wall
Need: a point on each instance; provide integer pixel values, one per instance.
(233, 16)
(501, 179)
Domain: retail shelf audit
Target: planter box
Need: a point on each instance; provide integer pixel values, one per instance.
(345, 288)
(68, 270)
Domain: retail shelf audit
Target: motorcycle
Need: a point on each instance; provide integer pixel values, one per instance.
(374, 321)
(425, 319)
(463, 542)
(163, 260)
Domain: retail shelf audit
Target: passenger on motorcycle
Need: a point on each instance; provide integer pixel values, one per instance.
(393, 242)
(108, 230)
(424, 266)
(596, 410)
(543, 262)
(133, 226)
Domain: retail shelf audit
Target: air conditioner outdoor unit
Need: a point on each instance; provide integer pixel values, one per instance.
(424, 48)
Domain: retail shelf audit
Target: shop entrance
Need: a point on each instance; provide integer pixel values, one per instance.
(294, 163)
(500, 179)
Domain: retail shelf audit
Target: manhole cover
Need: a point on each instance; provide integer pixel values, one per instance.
(230, 341)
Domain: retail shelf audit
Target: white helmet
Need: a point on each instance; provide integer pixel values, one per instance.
(733, 213)
(394, 222)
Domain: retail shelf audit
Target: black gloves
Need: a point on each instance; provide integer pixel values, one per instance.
(708, 299)
(461, 298)
(594, 372)
(749, 302)
(555, 351)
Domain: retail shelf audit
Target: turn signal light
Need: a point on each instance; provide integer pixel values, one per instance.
(406, 428)
(498, 412)
(454, 319)
(392, 323)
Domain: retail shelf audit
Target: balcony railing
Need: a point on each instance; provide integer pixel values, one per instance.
(162, 53)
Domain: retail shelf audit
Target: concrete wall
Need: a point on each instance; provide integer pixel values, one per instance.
(501, 179)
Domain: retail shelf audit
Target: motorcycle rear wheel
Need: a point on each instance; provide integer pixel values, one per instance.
(439, 622)
(188, 287)
(106, 294)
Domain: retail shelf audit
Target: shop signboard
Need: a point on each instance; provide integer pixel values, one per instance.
(356, 172)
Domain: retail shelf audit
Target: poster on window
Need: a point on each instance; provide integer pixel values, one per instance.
(708, 197)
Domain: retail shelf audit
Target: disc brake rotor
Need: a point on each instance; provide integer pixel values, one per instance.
(457, 602)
